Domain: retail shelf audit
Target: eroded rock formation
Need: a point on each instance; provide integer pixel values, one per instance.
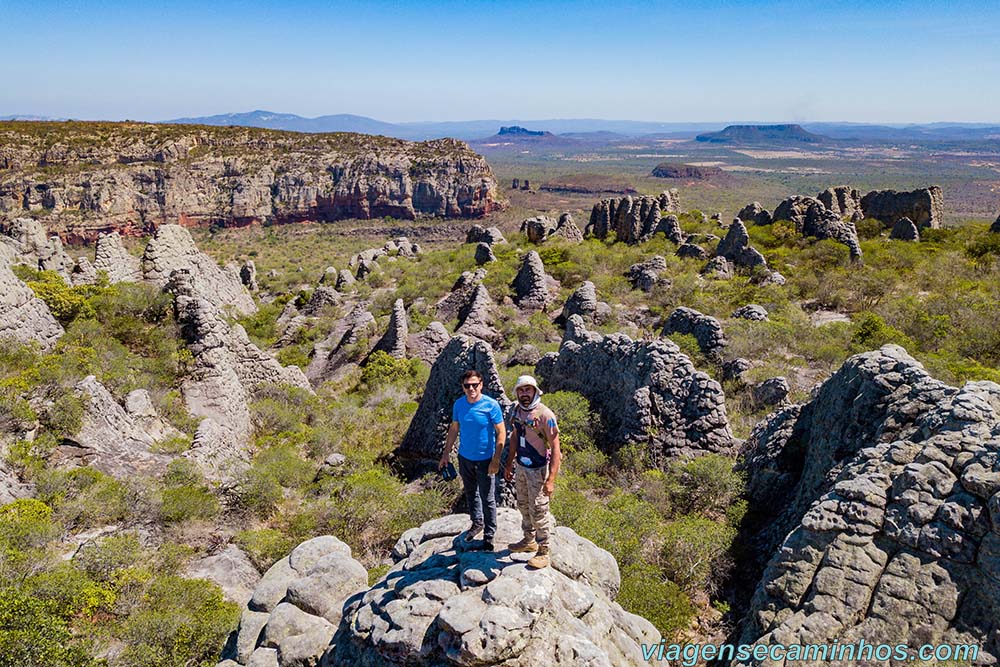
(115, 260)
(736, 248)
(646, 392)
(646, 275)
(904, 230)
(480, 234)
(583, 302)
(24, 318)
(393, 342)
(632, 219)
(705, 329)
(532, 286)
(879, 505)
(925, 206)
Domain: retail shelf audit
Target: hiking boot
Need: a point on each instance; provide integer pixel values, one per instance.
(540, 559)
(474, 531)
(488, 545)
(527, 545)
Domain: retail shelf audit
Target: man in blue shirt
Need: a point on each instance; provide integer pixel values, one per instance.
(477, 421)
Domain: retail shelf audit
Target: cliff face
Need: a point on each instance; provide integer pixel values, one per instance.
(81, 179)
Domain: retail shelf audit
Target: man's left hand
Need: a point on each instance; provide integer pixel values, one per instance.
(549, 487)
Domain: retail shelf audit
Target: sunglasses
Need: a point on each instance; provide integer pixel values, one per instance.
(470, 385)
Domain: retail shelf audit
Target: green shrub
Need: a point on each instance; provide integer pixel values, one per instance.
(645, 592)
(579, 426)
(383, 369)
(32, 634)
(103, 559)
(265, 546)
(705, 483)
(871, 332)
(65, 302)
(869, 228)
(83, 497)
(185, 495)
(694, 552)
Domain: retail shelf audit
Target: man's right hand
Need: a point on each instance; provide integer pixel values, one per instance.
(443, 462)
(508, 474)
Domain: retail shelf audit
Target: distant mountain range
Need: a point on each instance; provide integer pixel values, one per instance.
(586, 129)
(763, 134)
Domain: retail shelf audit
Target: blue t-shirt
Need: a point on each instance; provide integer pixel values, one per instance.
(476, 436)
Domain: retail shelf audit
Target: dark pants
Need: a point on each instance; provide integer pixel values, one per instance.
(479, 489)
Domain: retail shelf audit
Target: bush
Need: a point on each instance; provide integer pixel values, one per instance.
(383, 369)
(83, 497)
(694, 552)
(578, 424)
(705, 483)
(264, 547)
(185, 495)
(32, 634)
(645, 592)
(871, 332)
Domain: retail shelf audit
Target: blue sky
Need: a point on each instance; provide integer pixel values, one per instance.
(772, 60)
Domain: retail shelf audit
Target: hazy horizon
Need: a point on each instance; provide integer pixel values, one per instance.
(897, 62)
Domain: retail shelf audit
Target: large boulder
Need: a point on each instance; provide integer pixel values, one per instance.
(173, 249)
(583, 302)
(112, 258)
(532, 286)
(647, 392)
(736, 248)
(230, 569)
(877, 504)
(646, 275)
(904, 230)
(24, 318)
(426, 434)
(31, 246)
(443, 605)
(925, 206)
(295, 608)
(706, 330)
(755, 213)
(811, 217)
(484, 254)
(228, 369)
(427, 344)
(480, 234)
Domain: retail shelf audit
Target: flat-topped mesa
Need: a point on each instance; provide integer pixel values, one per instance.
(646, 392)
(89, 178)
(632, 219)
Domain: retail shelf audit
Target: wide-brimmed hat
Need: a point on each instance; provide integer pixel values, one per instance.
(527, 381)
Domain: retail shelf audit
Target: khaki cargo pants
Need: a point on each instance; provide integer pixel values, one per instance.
(532, 503)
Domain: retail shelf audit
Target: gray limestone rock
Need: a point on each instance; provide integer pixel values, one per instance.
(526, 355)
(425, 436)
(632, 219)
(646, 392)
(139, 406)
(443, 605)
(427, 344)
(460, 295)
(768, 278)
(349, 342)
(248, 275)
(230, 570)
(646, 275)
(718, 268)
(172, 249)
(770, 392)
(109, 438)
(538, 229)
(24, 318)
(925, 206)
(904, 230)
(734, 369)
(475, 319)
(484, 254)
(228, 369)
(345, 279)
(812, 217)
(736, 248)
(479, 234)
(670, 225)
(322, 297)
(567, 229)
(83, 272)
(31, 245)
(755, 213)
(532, 286)
(752, 312)
(583, 302)
(844, 201)
(705, 329)
(365, 268)
(692, 251)
(875, 500)
(393, 342)
(329, 277)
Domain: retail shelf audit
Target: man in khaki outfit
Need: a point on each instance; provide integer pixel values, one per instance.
(536, 442)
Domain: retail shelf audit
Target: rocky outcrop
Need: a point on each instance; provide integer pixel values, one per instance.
(393, 342)
(228, 369)
(173, 249)
(670, 225)
(230, 570)
(583, 302)
(632, 219)
(844, 201)
(425, 436)
(139, 176)
(139, 406)
(526, 355)
(755, 213)
(345, 279)
(349, 342)
(811, 217)
(484, 253)
(646, 392)
(460, 295)
(112, 258)
(692, 251)
(442, 604)
(248, 275)
(31, 246)
(925, 207)
(532, 286)
(686, 171)
(877, 504)
(705, 329)
(736, 248)
(540, 228)
(751, 312)
(476, 320)
(323, 297)
(297, 606)
(109, 439)
(770, 392)
(718, 268)
(24, 318)
(646, 275)
(480, 234)
(427, 344)
(904, 230)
